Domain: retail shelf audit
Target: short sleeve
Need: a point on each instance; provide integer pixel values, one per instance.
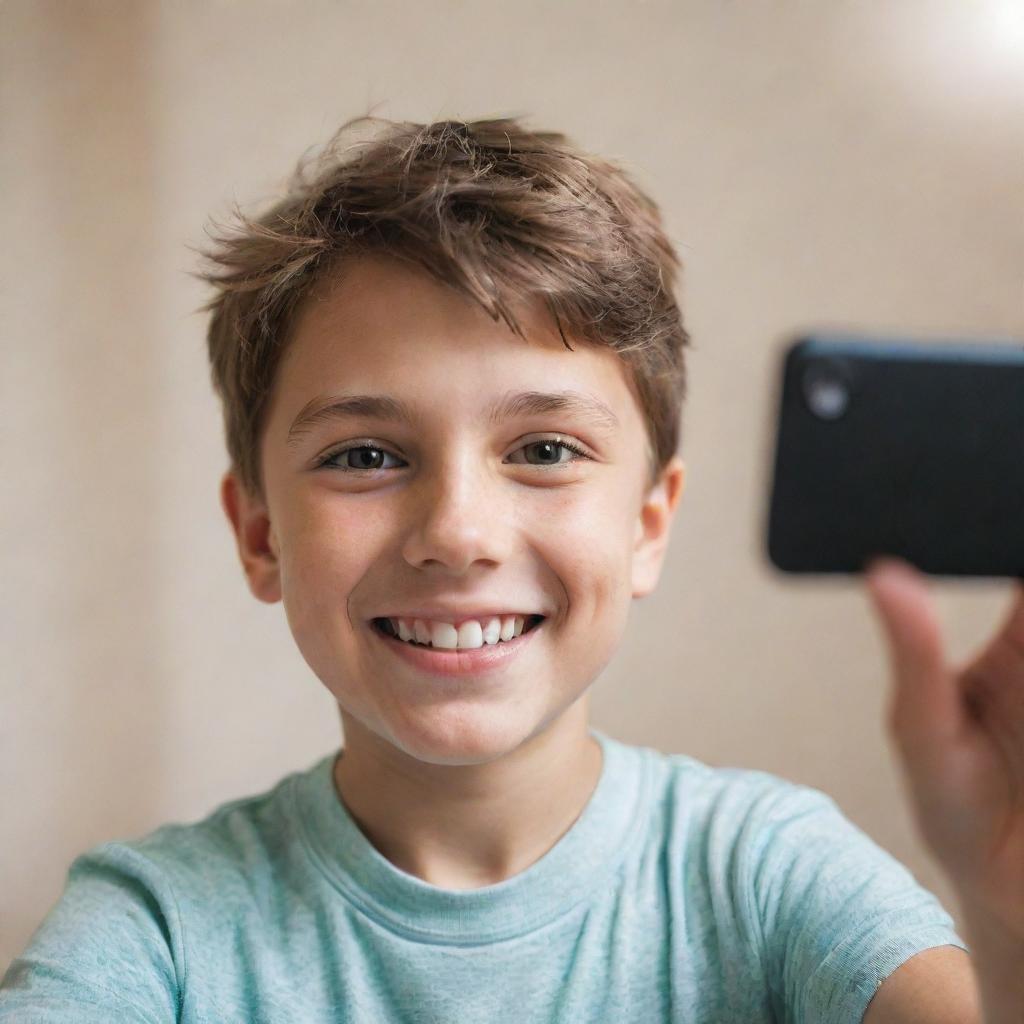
(836, 913)
(109, 950)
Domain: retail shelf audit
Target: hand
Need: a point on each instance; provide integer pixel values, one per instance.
(960, 736)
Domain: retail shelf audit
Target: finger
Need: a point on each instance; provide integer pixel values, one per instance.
(925, 710)
(995, 681)
(1011, 633)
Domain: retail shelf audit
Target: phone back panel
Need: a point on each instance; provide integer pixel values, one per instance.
(926, 460)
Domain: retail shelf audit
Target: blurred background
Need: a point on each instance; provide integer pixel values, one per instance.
(833, 164)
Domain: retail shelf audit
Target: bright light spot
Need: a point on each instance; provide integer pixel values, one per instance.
(1006, 25)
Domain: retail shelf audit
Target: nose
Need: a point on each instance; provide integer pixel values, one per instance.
(457, 517)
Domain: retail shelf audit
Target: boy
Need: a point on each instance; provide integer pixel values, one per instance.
(451, 366)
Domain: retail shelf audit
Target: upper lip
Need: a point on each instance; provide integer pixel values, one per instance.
(447, 614)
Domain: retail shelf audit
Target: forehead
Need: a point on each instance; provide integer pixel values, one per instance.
(382, 326)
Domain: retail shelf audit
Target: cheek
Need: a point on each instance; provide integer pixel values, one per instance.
(586, 542)
(324, 558)
(597, 610)
(328, 536)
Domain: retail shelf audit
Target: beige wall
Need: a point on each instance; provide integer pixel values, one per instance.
(834, 163)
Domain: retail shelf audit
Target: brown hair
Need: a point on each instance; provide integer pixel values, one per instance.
(490, 208)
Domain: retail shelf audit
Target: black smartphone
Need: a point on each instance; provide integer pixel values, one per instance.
(899, 447)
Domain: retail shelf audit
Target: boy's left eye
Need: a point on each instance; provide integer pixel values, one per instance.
(550, 450)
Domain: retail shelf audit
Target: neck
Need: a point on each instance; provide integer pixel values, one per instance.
(468, 826)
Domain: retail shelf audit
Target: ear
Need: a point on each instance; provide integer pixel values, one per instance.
(254, 533)
(654, 525)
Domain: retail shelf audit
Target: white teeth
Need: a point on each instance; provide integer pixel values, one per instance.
(470, 635)
(444, 634)
(492, 631)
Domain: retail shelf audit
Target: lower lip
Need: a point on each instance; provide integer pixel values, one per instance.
(477, 661)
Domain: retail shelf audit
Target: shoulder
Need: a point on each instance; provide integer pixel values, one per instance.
(773, 836)
(736, 832)
(184, 870)
(830, 912)
(743, 806)
(229, 851)
(756, 817)
(134, 912)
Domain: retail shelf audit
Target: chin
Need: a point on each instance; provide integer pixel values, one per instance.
(459, 739)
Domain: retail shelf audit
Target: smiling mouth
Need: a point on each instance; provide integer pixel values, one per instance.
(385, 627)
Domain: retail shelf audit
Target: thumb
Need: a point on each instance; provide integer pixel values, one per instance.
(924, 712)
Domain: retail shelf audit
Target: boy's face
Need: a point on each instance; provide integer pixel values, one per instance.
(456, 510)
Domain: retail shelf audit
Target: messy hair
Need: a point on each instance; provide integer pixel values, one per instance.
(490, 208)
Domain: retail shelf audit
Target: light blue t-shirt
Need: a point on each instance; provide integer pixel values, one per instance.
(682, 893)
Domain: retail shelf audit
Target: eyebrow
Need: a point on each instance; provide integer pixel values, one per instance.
(509, 406)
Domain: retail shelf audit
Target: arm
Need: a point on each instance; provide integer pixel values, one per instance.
(999, 965)
(937, 986)
(838, 919)
(108, 951)
(959, 733)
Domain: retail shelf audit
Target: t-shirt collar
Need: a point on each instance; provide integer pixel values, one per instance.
(577, 865)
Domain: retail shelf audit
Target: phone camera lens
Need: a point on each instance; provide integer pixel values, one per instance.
(826, 391)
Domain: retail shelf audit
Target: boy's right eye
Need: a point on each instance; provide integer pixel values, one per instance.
(362, 463)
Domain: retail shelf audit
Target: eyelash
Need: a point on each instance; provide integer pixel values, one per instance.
(330, 456)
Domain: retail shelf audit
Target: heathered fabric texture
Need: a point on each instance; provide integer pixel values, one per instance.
(683, 892)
